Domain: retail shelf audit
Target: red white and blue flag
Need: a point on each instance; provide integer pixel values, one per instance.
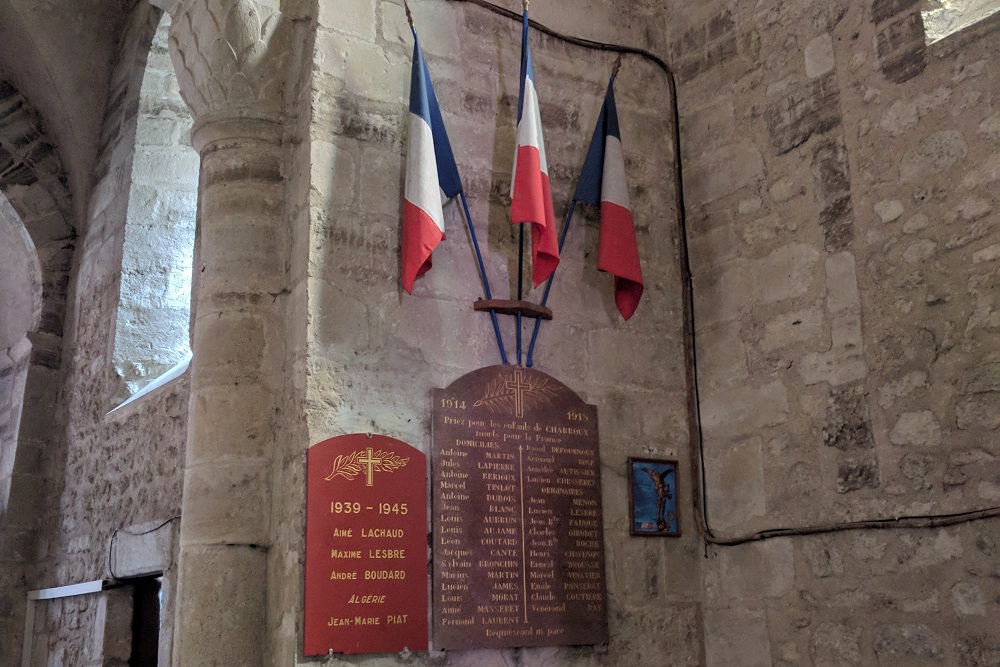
(603, 184)
(531, 196)
(431, 175)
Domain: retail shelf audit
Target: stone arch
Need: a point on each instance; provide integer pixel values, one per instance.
(20, 278)
(34, 181)
(34, 193)
(152, 332)
(21, 305)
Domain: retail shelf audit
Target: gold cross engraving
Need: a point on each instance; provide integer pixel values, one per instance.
(513, 393)
(370, 463)
(518, 386)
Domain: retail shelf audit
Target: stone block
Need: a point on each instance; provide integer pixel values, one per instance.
(918, 429)
(428, 329)
(907, 642)
(743, 410)
(737, 635)
(232, 345)
(723, 171)
(889, 209)
(353, 17)
(845, 332)
(883, 10)
(710, 125)
(784, 189)
(836, 367)
(221, 605)
(920, 252)
(833, 194)
(223, 503)
(381, 177)
(990, 127)
(842, 283)
(722, 295)
(988, 491)
(900, 48)
(334, 177)
(795, 327)
(967, 599)
(889, 392)
(25, 499)
(835, 644)
(935, 154)
(787, 273)
(754, 570)
(988, 254)
(647, 365)
(824, 559)
(857, 472)
(143, 549)
(848, 424)
(722, 356)
(113, 640)
(916, 223)
(735, 484)
(18, 545)
(811, 109)
(980, 411)
(819, 56)
(981, 174)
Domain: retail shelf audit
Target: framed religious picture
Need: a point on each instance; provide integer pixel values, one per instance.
(652, 497)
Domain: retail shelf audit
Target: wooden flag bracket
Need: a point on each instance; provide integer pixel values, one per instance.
(513, 307)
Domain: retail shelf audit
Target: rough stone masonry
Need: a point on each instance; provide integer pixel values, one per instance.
(840, 178)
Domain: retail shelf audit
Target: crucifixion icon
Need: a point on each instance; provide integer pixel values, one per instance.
(370, 462)
(518, 386)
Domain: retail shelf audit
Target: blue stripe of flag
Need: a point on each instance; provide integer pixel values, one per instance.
(527, 70)
(588, 188)
(423, 102)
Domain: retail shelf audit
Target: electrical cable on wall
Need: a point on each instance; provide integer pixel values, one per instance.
(697, 450)
(111, 542)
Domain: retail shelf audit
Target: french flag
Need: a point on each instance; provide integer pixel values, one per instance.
(602, 183)
(531, 196)
(431, 175)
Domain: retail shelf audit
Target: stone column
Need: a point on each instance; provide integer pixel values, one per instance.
(230, 57)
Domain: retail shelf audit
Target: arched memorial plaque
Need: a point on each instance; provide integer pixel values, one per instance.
(518, 531)
(366, 546)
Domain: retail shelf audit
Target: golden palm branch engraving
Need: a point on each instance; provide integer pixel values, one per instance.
(390, 461)
(352, 465)
(506, 391)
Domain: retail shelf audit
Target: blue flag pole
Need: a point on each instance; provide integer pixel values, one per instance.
(520, 287)
(520, 239)
(548, 284)
(482, 274)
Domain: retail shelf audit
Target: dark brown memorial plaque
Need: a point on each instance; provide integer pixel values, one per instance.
(518, 530)
(366, 546)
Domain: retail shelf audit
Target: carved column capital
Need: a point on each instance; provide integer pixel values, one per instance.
(231, 60)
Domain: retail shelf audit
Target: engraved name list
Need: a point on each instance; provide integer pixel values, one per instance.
(518, 533)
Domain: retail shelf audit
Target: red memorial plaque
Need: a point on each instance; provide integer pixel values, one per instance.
(518, 526)
(366, 546)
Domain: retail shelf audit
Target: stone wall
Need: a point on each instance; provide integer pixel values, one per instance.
(840, 180)
(114, 471)
(374, 352)
(153, 321)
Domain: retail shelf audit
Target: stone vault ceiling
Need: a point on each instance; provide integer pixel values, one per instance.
(59, 54)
